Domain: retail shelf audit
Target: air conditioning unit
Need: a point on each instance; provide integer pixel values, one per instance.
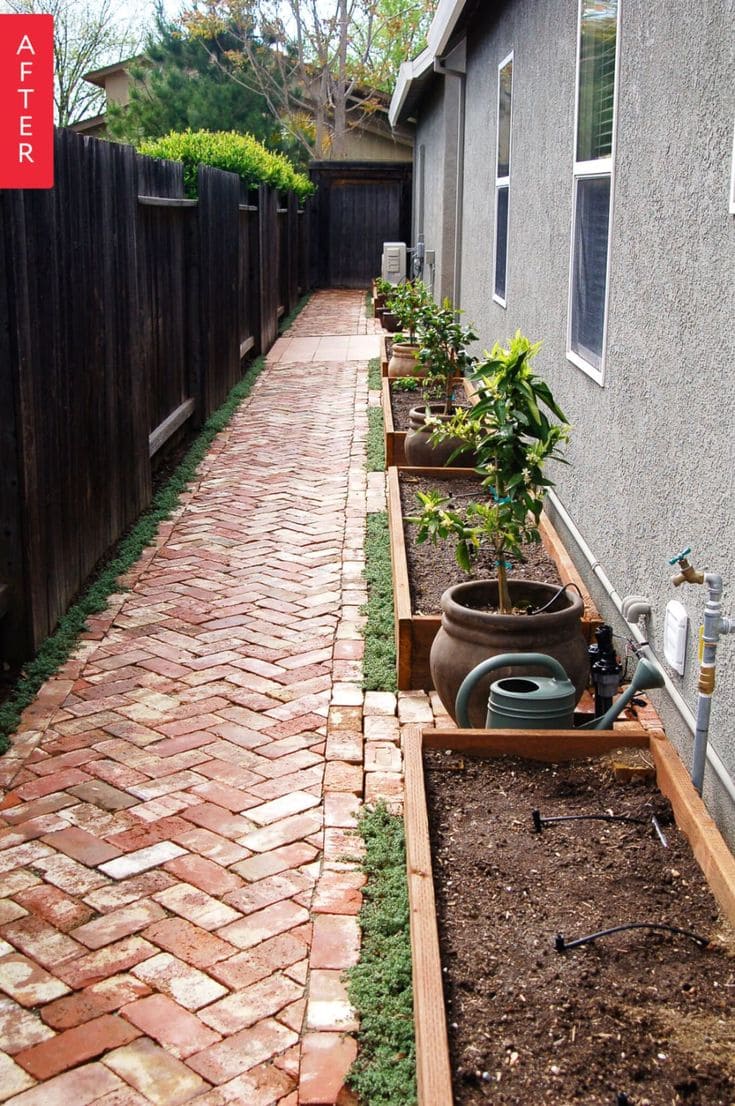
(393, 266)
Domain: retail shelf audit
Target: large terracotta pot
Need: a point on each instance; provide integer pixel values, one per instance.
(469, 635)
(419, 449)
(404, 361)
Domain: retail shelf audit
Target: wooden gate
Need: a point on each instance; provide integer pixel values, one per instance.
(357, 207)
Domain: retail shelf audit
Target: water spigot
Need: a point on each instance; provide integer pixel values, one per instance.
(687, 573)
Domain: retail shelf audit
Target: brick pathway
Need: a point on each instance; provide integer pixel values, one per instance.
(177, 895)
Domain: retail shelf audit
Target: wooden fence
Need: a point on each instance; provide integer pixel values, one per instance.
(125, 312)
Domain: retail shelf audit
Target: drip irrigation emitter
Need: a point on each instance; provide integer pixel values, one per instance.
(539, 821)
(562, 945)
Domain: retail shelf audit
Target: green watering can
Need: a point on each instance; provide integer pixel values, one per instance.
(542, 702)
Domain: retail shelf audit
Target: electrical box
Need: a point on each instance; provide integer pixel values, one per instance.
(676, 625)
(393, 267)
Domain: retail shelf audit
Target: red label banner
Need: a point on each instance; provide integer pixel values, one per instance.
(26, 101)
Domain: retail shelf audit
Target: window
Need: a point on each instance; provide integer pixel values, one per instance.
(593, 165)
(502, 179)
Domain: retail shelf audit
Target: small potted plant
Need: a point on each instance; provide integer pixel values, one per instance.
(381, 290)
(407, 302)
(513, 432)
(443, 353)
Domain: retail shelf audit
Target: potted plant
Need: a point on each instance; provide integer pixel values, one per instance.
(381, 290)
(407, 303)
(513, 437)
(443, 353)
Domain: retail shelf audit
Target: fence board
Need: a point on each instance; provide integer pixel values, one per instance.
(219, 264)
(269, 266)
(162, 242)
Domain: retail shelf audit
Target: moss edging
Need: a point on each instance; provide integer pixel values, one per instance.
(380, 985)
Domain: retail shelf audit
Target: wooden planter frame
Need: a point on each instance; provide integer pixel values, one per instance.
(415, 633)
(394, 440)
(433, 1069)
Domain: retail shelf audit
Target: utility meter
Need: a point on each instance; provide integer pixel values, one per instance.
(394, 262)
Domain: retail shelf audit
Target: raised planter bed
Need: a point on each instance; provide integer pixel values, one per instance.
(668, 1031)
(415, 632)
(395, 436)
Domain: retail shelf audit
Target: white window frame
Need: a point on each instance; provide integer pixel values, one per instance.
(502, 182)
(586, 170)
(732, 177)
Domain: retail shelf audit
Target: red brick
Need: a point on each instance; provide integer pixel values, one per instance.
(242, 1051)
(69, 1049)
(217, 819)
(58, 781)
(341, 776)
(272, 955)
(28, 983)
(21, 812)
(275, 919)
(278, 860)
(325, 1060)
(158, 1076)
(230, 798)
(51, 904)
(283, 832)
(41, 942)
(338, 893)
(202, 841)
(179, 1031)
(272, 889)
(336, 941)
(92, 1002)
(194, 945)
(82, 846)
(187, 986)
(246, 1007)
(261, 1086)
(105, 962)
(119, 923)
(204, 874)
(81, 1087)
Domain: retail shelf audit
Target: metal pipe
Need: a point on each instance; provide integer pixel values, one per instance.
(714, 625)
(675, 695)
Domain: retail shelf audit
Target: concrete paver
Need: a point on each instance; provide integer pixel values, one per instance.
(176, 898)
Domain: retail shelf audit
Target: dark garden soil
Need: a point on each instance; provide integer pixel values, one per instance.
(433, 568)
(640, 1018)
(402, 402)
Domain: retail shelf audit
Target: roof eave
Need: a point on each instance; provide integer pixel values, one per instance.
(416, 72)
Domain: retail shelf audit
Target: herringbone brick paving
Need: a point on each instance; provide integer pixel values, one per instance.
(178, 882)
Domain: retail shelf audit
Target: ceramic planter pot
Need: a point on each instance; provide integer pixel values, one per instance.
(390, 322)
(404, 361)
(419, 449)
(469, 634)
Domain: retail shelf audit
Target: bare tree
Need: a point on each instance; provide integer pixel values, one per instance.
(320, 66)
(88, 34)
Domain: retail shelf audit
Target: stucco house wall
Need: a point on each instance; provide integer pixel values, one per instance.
(652, 454)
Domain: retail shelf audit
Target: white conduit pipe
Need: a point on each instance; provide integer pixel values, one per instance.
(676, 697)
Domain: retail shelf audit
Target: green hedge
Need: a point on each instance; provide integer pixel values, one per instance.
(237, 153)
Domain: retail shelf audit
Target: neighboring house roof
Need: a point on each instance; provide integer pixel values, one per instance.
(101, 76)
(115, 80)
(414, 76)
